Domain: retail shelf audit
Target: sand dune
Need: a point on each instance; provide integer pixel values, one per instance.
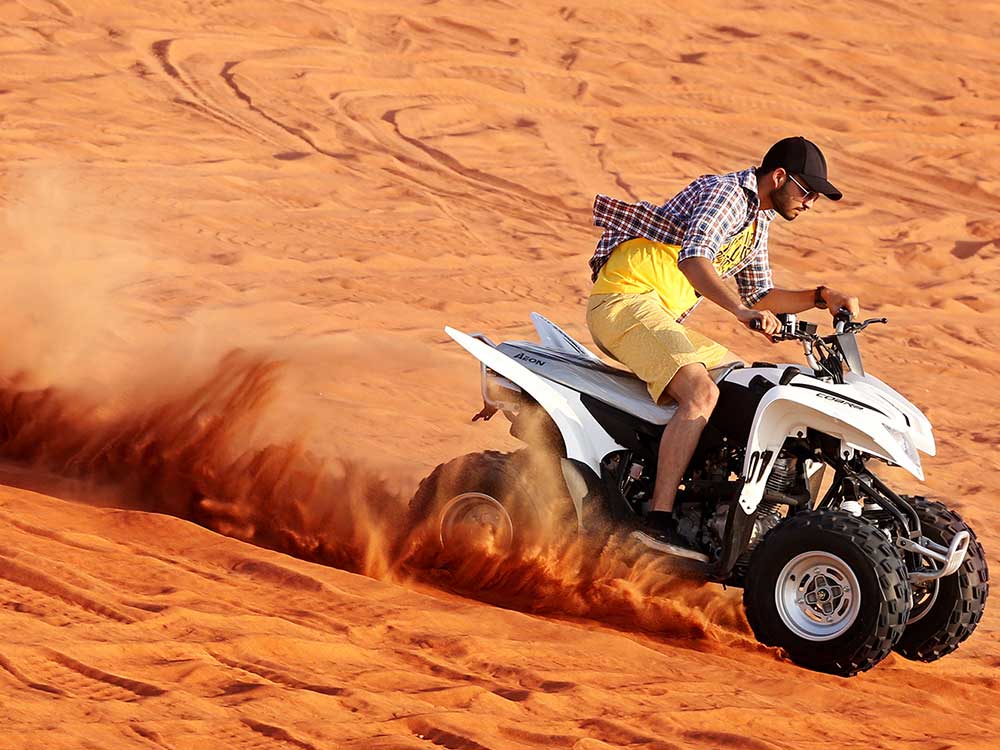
(232, 234)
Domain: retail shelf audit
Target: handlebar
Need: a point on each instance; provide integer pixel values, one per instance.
(829, 356)
(842, 320)
(794, 329)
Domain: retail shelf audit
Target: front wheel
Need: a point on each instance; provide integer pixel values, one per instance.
(830, 590)
(947, 610)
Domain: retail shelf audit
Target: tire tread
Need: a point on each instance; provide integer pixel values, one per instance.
(973, 584)
(889, 568)
(506, 476)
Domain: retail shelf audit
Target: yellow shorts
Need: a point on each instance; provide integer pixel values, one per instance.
(637, 330)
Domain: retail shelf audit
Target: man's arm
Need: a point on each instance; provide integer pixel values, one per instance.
(703, 277)
(718, 213)
(796, 301)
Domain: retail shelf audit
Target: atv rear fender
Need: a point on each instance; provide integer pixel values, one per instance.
(585, 440)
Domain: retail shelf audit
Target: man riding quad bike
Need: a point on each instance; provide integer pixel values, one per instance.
(714, 463)
(838, 570)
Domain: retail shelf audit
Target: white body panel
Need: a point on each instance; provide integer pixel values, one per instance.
(837, 410)
(864, 413)
(617, 387)
(555, 337)
(585, 439)
(920, 427)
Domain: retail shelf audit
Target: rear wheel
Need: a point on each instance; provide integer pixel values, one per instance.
(830, 590)
(486, 501)
(945, 611)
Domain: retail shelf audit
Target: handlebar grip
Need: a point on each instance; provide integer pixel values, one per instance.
(842, 320)
(843, 312)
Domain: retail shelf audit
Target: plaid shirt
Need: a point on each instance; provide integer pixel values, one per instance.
(701, 218)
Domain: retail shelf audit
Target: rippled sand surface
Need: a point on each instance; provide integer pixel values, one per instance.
(232, 233)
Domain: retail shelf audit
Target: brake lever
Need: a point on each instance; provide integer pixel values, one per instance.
(862, 326)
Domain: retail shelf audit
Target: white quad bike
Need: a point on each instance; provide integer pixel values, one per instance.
(837, 579)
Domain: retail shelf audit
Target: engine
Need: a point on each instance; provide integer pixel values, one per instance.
(704, 499)
(784, 474)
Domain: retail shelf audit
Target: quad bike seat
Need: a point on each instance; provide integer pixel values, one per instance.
(586, 374)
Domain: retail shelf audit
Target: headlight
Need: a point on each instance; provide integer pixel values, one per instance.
(905, 442)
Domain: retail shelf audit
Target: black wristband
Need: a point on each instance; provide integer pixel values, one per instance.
(818, 300)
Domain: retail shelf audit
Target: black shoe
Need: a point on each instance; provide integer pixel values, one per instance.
(659, 533)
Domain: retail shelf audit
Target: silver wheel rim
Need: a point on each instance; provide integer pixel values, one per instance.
(923, 600)
(818, 596)
(477, 518)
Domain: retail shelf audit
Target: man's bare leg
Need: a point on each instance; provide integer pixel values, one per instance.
(696, 396)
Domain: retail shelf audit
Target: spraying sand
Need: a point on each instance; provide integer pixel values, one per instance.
(232, 234)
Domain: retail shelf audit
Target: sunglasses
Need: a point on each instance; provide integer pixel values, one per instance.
(807, 195)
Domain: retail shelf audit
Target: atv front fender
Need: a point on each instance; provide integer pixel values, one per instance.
(920, 426)
(790, 411)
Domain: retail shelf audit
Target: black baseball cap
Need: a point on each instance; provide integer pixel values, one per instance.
(803, 159)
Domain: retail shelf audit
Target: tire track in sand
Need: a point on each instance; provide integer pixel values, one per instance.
(485, 179)
(275, 675)
(229, 78)
(251, 734)
(202, 105)
(60, 674)
(27, 577)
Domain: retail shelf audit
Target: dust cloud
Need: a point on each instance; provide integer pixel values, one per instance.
(192, 455)
(173, 423)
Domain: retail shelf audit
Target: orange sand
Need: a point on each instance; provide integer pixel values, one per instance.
(232, 233)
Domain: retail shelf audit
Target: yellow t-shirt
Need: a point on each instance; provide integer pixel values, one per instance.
(640, 265)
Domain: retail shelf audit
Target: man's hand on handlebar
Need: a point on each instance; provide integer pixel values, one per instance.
(836, 300)
(761, 321)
